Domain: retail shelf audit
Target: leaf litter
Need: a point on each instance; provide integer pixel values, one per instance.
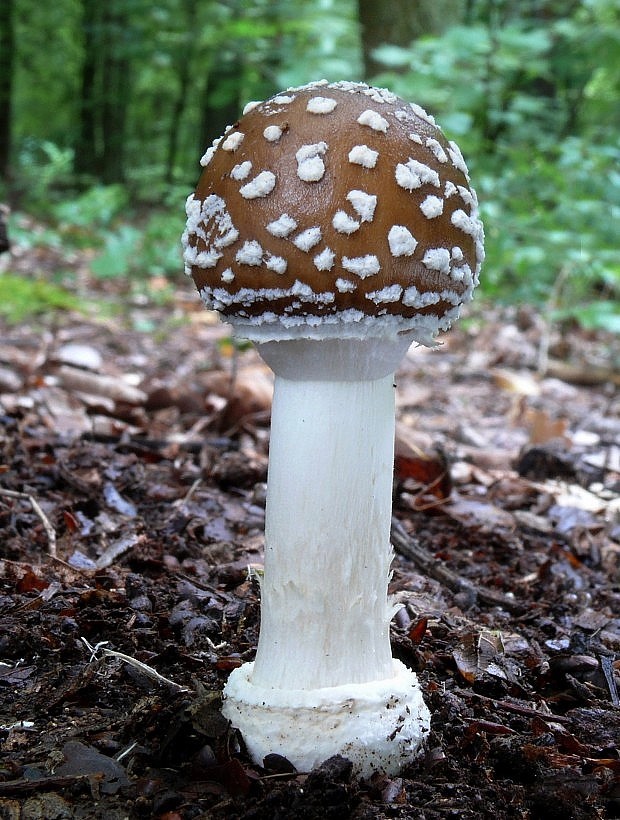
(145, 454)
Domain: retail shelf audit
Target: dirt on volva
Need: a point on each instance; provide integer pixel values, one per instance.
(133, 458)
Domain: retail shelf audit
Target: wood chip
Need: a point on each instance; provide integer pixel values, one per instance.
(113, 387)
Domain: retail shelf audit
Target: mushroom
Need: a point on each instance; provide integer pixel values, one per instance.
(333, 225)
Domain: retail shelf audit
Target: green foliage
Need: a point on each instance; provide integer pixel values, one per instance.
(604, 315)
(125, 245)
(137, 251)
(22, 298)
(476, 78)
(96, 207)
(42, 165)
(529, 90)
(47, 76)
(327, 36)
(118, 255)
(533, 104)
(231, 50)
(552, 229)
(161, 248)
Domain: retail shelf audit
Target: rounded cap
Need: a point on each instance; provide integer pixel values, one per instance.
(334, 210)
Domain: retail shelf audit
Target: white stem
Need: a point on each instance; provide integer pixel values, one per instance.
(324, 682)
(325, 612)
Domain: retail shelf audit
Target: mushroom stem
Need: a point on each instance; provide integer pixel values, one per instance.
(325, 612)
(324, 681)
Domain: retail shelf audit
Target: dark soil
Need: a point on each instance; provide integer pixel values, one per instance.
(145, 454)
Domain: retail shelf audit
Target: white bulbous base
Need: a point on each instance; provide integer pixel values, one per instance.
(378, 725)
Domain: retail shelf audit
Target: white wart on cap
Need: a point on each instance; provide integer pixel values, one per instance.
(335, 209)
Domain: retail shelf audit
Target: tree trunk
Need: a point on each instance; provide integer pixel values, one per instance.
(100, 145)
(400, 22)
(115, 85)
(184, 65)
(221, 99)
(86, 151)
(7, 53)
(223, 91)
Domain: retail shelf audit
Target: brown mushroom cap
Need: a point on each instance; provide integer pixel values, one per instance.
(335, 209)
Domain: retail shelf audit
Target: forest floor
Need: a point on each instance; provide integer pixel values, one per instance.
(133, 456)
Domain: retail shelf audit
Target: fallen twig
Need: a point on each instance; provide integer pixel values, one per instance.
(26, 786)
(181, 502)
(516, 708)
(47, 526)
(100, 649)
(430, 566)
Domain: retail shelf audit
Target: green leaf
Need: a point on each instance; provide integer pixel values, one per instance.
(392, 56)
(595, 315)
(98, 206)
(21, 298)
(120, 254)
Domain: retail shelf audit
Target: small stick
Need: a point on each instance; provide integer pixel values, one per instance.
(429, 565)
(50, 531)
(24, 786)
(517, 708)
(146, 670)
(190, 493)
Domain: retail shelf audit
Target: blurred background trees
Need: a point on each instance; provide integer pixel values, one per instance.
(105, 109)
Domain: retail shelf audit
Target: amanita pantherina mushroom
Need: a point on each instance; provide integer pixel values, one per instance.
(333, 225)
